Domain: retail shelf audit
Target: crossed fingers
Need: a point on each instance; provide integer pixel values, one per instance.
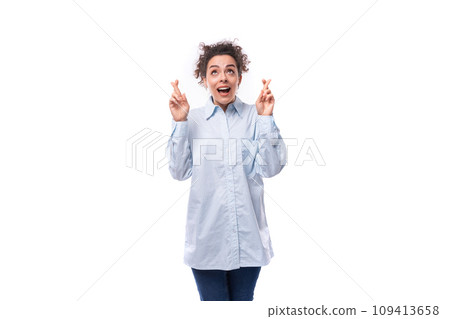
(177, 97)
(266, 91)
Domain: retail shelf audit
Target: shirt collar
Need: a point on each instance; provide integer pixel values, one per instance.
(210, 107)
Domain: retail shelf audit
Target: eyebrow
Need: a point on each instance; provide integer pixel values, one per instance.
(225, 66)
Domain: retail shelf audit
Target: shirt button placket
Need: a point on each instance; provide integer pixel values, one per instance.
(232, 197)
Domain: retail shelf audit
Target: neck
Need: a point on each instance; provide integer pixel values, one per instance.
(224, 106)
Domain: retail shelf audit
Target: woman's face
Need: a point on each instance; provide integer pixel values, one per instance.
(222, 72)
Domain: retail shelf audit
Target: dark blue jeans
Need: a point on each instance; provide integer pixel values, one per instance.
(226, 285)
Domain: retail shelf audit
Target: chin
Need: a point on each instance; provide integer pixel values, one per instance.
(227, 99)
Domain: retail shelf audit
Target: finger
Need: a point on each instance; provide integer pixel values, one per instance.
(266, 85)
(267, 96)
(174, 101)
(175, 96)
(259, 97)
(175, 87)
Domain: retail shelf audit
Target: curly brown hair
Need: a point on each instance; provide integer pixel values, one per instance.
(220, 48)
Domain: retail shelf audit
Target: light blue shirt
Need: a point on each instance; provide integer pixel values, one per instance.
(227, 154)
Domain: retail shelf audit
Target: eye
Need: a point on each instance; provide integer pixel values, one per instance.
(213, 71)
(230, 70)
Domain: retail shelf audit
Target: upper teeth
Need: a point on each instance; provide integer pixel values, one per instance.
(223, 88)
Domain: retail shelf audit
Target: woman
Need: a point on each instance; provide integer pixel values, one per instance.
(227, 147)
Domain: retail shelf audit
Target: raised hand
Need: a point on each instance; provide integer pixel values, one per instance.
(265, 101)
(178, 104)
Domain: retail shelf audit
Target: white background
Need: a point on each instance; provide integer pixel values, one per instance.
(77, 79)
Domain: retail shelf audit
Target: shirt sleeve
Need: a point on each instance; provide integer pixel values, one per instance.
(179, 151)
(271, 152)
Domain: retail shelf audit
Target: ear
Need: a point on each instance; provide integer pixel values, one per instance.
(240, 79)
(205, 83)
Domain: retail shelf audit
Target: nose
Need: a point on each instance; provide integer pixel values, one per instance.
(223, 77)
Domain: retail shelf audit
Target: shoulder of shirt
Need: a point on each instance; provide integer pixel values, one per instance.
(197, 112)
(251, 108)
(196, 115)
(248, 108)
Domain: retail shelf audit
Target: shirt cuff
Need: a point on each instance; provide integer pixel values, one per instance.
(266, 123)
(179, 129)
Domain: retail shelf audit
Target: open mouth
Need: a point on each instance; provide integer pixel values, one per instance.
(223, 91)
